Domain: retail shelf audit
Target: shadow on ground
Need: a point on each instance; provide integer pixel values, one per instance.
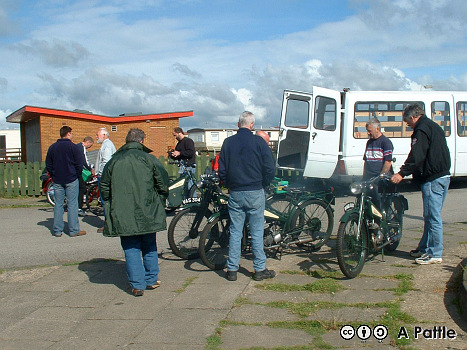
(453, 297)
(103, 271)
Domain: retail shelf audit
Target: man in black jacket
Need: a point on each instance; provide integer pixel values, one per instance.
(429, 163)
(246, 166)
(185, 151)
(83, 146)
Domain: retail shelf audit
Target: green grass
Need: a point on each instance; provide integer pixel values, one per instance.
(188, 281)
(240, 301)
(11, 206)
(394, 319)
(325, 285)
(214, 341)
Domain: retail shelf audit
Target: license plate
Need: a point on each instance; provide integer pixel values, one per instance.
(349, 206)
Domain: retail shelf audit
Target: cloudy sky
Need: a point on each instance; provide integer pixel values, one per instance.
(221, 57)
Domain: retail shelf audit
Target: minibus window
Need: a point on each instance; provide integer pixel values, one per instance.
(462, 118)
(325, 114)
(297, 113)
(440, 115)
(389, 113)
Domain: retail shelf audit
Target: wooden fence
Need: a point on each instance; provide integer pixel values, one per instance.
(20, 179)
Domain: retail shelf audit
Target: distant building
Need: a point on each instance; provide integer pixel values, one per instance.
(10, 145)
(10, 138)
(40, 128)
(210, 140)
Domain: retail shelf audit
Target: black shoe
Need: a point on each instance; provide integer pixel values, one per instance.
(137, 292)
(231, 275)
(262, 275)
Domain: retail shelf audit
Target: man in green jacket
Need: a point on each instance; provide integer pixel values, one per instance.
(134, 186)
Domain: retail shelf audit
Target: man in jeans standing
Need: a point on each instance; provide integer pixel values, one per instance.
(135, 186)
(429, 163)
(64, 162)
(105, 153)
(246, 167)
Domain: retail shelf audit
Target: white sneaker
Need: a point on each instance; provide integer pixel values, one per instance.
(426, 260)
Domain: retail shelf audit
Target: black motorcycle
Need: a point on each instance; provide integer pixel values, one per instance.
(366, 227)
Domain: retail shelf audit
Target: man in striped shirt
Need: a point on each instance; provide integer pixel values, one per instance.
(378, 155)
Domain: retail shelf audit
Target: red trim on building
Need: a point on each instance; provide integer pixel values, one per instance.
(29, 112)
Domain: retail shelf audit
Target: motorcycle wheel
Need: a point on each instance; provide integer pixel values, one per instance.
(394, 216)
(49, 190)
(316, 219)
(178, 233)
(351, 252)
(278, 201)
(214, 243)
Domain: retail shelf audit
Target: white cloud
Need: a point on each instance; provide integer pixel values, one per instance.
(55, 53)
(113, 57)
(3, 123)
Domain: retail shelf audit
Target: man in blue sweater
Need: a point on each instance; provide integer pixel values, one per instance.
(64, 162)
(246, 167)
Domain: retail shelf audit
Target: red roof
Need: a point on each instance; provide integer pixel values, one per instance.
(29, 112)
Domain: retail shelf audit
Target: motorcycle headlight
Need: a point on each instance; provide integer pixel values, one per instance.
(356, 188)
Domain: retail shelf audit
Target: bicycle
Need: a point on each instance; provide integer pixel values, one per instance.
(306, 221)
(365, 229)
(187, 224)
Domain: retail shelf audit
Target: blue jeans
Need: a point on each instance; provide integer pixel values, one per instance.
(250, 205)
(142, 264)
(190, 183)
(100, 194)
(70, 191)
(433, 194)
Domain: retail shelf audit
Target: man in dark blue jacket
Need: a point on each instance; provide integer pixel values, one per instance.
(64, 162)
(246, 167)
(429, 162)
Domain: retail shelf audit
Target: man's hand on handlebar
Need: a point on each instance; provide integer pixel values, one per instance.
(396, 178)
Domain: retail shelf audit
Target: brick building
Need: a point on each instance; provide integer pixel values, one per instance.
(40, 128)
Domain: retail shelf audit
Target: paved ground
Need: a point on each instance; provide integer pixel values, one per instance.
(87, 305)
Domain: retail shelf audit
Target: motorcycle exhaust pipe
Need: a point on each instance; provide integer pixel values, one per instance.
(298, 241)
(391, 240)
(304, 240)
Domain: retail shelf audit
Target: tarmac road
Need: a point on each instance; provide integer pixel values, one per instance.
(25, 233)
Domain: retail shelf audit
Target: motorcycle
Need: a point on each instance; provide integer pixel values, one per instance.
(366, 227)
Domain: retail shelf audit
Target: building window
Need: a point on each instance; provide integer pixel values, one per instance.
(214, 136)
(113, 128)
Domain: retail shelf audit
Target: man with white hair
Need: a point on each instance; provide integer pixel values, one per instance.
(246, 167)
(105, 153)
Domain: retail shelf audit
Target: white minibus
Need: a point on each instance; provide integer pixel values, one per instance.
(323, 135)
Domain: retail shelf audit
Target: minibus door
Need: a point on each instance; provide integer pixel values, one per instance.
(309, 132)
